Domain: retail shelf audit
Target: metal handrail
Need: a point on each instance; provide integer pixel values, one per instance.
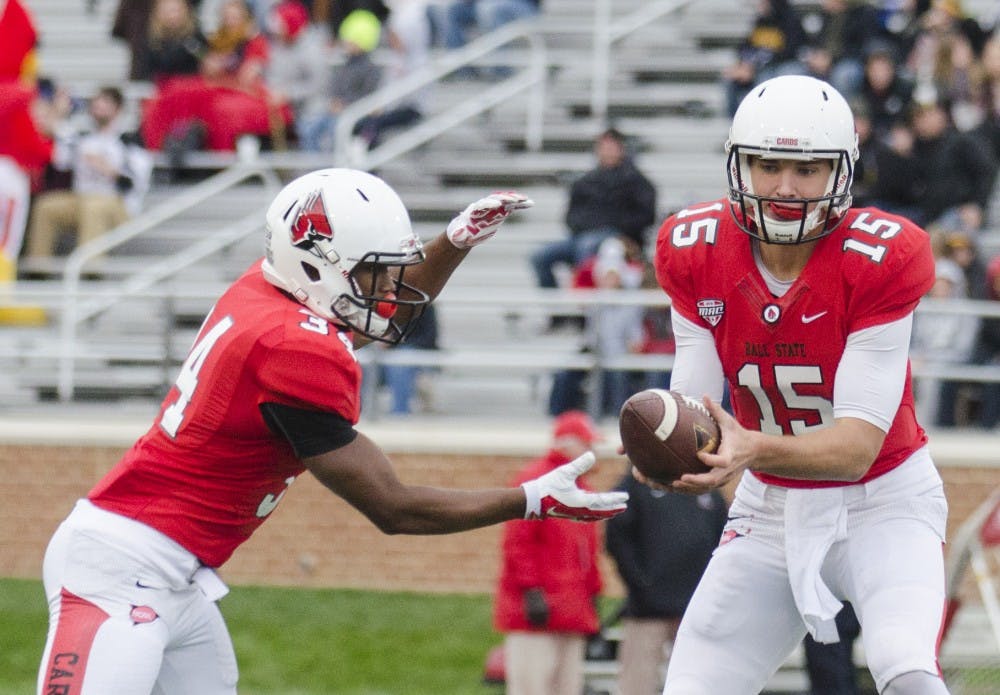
(481, 357)
(533, 77)
(608, 31)
(560, 300)
(74, 311)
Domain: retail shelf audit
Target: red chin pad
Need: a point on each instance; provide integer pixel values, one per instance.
(386, 309)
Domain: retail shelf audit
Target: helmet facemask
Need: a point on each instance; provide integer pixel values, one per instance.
(800, 224)
(375, 315)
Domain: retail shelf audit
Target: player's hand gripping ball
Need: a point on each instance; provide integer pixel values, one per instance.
(663, 431)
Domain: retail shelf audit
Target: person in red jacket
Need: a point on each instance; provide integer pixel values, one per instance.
(25, 149)
(549, 580)
(19, 38)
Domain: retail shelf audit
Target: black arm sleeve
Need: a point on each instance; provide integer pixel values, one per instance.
(310, 432)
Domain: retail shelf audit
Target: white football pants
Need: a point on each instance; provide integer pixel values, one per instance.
(128, 615)
(887, 559)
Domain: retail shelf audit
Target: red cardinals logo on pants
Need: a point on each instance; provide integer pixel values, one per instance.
(311, 223)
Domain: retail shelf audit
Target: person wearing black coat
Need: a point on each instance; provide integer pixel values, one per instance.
(957, 170)
(661, 545)
(612, 199)
(770, 48)
(886, 174)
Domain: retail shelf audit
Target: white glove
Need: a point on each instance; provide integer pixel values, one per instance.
(556, 494)
(483, 218)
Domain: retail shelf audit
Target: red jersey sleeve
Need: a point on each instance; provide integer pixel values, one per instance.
(313, 370)
(891, 269)
(682, 246)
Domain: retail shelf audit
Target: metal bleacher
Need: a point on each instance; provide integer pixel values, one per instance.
(677, 132)
(662, 91)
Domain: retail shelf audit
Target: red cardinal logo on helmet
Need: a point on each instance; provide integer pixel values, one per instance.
(311, 223)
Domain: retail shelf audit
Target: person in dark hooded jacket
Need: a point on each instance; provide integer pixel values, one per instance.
(612, 199)
(661, 545)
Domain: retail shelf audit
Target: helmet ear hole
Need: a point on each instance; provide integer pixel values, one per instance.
(311, 272)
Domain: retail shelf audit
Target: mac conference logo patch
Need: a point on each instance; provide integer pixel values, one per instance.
(711, 310)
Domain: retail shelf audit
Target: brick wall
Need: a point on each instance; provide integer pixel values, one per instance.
(315, 539)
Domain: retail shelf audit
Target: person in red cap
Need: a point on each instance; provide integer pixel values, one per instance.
(549, 580)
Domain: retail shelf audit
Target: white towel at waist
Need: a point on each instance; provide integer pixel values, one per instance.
(814, 520)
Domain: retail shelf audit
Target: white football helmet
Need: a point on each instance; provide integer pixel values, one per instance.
(320, 227)
(792, 117)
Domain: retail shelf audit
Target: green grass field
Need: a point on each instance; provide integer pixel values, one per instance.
(305, 642)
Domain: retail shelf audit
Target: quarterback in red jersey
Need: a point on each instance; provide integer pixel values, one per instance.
(269, 391)
(802, 307)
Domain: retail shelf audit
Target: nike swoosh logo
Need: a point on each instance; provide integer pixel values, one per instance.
(810, 319)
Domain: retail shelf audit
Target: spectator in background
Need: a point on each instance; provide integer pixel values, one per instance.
(989, 130)
(25, 146)
(987, 351)
(843, 29)
(337, 11)
(297, 69)
(885, 91)
(960, 81)
(175, 44)
(110, 174)
(612, 199)
(238, 51)
(961, 249)
(409, 38)
(661, 544)
(25, 150)
(610, 330)
(229, 99)
(464, 18)
(942, 19)
(402, 379)
(942, 337)
(549, 581)
(770, 48)
(19, 38)
(901, 23)
(956, 170)
(886, 174)
(358, 77)
(132, 24)
(657, 334)
(615, 330)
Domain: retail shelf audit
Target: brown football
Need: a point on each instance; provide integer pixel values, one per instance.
(662, 432)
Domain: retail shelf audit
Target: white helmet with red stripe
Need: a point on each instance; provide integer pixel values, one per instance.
(320, 227)
(792, 117)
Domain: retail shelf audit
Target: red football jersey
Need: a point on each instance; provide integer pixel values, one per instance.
(780, 354)
(209, 470)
